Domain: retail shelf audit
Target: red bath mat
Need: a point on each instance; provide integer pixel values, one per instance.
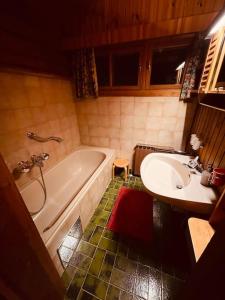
(132, 214)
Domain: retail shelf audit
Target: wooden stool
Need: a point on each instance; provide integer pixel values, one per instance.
(121, 163)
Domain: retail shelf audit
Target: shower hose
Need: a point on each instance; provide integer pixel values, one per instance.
(42, 184)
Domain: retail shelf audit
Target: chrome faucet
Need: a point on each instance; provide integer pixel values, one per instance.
(26, 166)
(34, 136)
(195, 164)
(37, 160)
(22, 167)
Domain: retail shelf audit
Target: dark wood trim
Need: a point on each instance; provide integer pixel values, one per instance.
(27, 270)
(214, 100)
(139, 93)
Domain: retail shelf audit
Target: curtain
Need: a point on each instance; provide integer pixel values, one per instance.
(193, 63)
(85, 75)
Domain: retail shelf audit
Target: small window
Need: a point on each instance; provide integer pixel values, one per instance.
(167, 65)
(125, 69)
(102, 66)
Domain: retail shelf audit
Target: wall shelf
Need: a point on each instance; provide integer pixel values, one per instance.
(212, 100)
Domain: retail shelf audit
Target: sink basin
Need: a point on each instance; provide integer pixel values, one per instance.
(167, 177)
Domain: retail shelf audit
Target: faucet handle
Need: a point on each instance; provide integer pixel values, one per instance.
(24, 166)
(44, 156)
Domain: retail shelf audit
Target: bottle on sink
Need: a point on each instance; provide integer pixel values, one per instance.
(206, 174)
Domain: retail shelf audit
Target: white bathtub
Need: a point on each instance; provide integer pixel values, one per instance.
(74, 188)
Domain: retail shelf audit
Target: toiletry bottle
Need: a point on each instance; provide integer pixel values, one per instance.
(206, 176)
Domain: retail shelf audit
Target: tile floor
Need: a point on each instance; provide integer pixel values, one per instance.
(106, 266)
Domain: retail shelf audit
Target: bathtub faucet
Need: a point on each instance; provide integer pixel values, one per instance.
(34, 136)
(26, 166)
(37, 160)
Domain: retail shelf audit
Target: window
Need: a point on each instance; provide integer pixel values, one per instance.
(125, 69)
(102, 65)
(165, 63)
(141, 67)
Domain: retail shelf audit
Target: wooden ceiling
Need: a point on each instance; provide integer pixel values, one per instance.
(81, 23)
(113, 21)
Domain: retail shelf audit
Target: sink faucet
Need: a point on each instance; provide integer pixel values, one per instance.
(194, 164)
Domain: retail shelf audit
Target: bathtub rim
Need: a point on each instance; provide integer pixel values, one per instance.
(108, 155)
(50, 243)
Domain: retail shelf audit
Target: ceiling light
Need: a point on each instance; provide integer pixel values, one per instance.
(220, 23)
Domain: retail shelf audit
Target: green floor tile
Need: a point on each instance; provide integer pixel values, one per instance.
(68, 275)
(108, 244)
(85, 296)
(97, 262)
(123, 280)
(103, 202)
(122, 249)
(110, 235)
(86, 248)
(127, 296)
(95, 286)
(102, 218)
(76, 284)
(109, 205)
(113, 293)
(88, 231)
(141, 287)
(96, 235)
(80, 261)
(107, 266)
(125, 264)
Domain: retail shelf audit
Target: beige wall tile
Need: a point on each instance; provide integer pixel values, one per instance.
(127, 121)
(41, 104)
(170, 108)
(114, 143)
(114, 108)
(154, 123)
(140, 122)
(127, 106)
(155, 109)
(168, 123)
(140, 108)
(126, 133)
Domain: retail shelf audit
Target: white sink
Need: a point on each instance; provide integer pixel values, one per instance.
(168, 179)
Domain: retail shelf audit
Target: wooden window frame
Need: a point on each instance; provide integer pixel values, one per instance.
(145, 48)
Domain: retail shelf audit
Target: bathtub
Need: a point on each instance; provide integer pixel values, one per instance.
(74, 188)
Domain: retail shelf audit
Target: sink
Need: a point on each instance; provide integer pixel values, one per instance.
(168, 178)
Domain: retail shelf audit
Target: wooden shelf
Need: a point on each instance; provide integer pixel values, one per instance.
(216, 101)
(201, 233)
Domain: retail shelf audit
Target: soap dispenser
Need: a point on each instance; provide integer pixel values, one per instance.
(206, 174)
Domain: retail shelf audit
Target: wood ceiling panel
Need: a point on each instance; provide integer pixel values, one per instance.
(170, 9)
(198, 7)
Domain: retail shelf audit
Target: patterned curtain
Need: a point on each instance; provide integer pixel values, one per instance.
(85, 74)
(193, 63)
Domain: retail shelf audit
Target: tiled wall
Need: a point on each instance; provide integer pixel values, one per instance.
(40, 104)
(122, 122)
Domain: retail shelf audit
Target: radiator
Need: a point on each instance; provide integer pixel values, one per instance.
(141, 150)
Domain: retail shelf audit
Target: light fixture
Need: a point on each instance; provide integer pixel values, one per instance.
(220, 23)
(180, 66)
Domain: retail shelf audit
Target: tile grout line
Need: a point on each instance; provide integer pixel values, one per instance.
(92, 261)
(106, 250)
